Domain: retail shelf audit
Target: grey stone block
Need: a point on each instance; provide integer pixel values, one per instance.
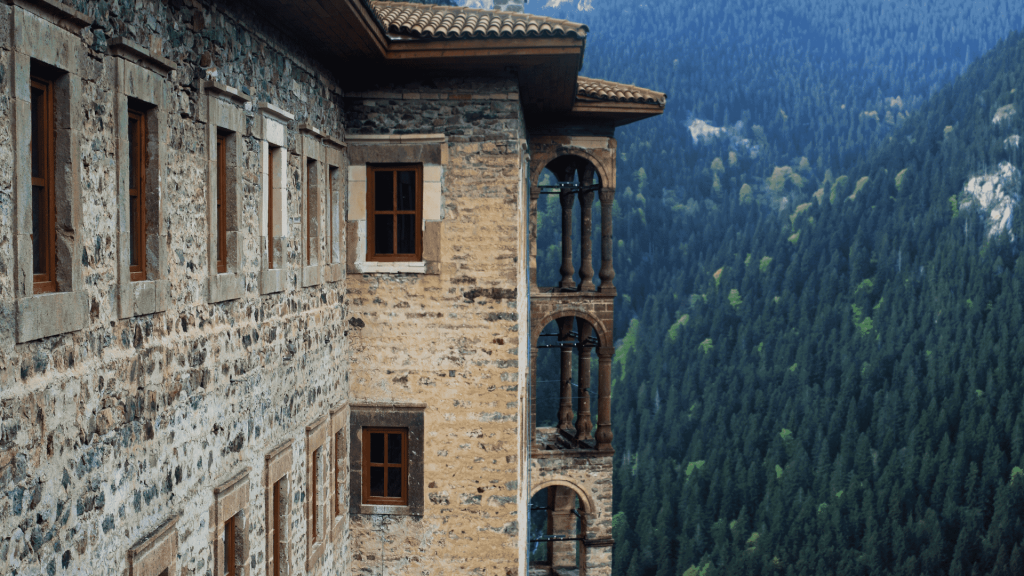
(311, 276)
(273, 281)
(224, 287)
(46, 315)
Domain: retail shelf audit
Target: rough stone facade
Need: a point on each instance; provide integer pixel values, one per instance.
(207, 418)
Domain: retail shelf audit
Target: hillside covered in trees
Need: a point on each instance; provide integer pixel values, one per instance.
(822, 334)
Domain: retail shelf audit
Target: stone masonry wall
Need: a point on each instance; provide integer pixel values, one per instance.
(450, 340)
(107, 432)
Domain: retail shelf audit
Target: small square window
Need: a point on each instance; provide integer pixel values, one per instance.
(394, 213)
(386, 466)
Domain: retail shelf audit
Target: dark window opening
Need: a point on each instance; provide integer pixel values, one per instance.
(385, 465)
(137, 161)
(43, 156)
(222, 203)
(395, 213)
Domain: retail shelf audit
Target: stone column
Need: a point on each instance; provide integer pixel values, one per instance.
(586, 245)
(565, 391)
(584, 425)
(533, 395)
(604, 397)
(563, 523)
(567, 270)
(534, 197)
(607, 273)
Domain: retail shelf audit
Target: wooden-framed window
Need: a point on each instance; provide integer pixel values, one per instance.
(386, 466)
(312, 209)
(222, 203)
(333, 218)
(394, 213)
(278, 527)
(271, 202)
(231, 545)
(44, 202)
(230, 538)
(137, 165)
(278, 510)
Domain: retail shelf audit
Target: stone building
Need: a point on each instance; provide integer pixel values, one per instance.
(266, 288)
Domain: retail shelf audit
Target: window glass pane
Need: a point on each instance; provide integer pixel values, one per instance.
(406, 190)
(394, 482)
(394, 448)
(133, 226)
(133, 154)
(377, 448)
(38, 251)
(384, 189)
(37, 105)
(384, 234)
(377, 482)
(406, 234)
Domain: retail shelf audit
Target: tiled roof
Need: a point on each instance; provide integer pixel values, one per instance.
(455, 23)
(615, 92)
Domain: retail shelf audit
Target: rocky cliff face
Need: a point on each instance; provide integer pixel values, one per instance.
(995, 195)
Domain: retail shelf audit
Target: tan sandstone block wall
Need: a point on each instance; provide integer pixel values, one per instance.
(450, 340)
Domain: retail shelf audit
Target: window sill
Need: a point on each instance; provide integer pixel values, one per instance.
(334, 272)
(143, 297)
(383, 510)
(272, 281)
(311, 276)
(45, 315)
(393, 267)
(224, 287)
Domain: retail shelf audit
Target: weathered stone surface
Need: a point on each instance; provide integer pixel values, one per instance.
(130, 403)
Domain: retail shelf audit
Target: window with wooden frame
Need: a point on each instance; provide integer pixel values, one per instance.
(222, 203)
(333, 214)
(312, 212)
(394, 213)
(44, 209)
(137, 164)
(278, 508)
(231, 545)
(271, 202)
(386, 466)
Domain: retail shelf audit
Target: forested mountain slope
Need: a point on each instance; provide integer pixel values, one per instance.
(839, 391)
(823, 370)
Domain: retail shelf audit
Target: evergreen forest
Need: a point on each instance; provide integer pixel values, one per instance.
(820, 322)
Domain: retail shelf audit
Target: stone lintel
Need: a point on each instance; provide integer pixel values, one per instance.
(328, 139)
(275, 112)
(129, 50)
(156, 552)
(64, 16)
(396, 405)
(214, 87)
(310, 130)
(397, 138)
(278, 462)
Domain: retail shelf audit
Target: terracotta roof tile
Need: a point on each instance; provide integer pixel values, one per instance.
(615, 92)
(455, 23)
